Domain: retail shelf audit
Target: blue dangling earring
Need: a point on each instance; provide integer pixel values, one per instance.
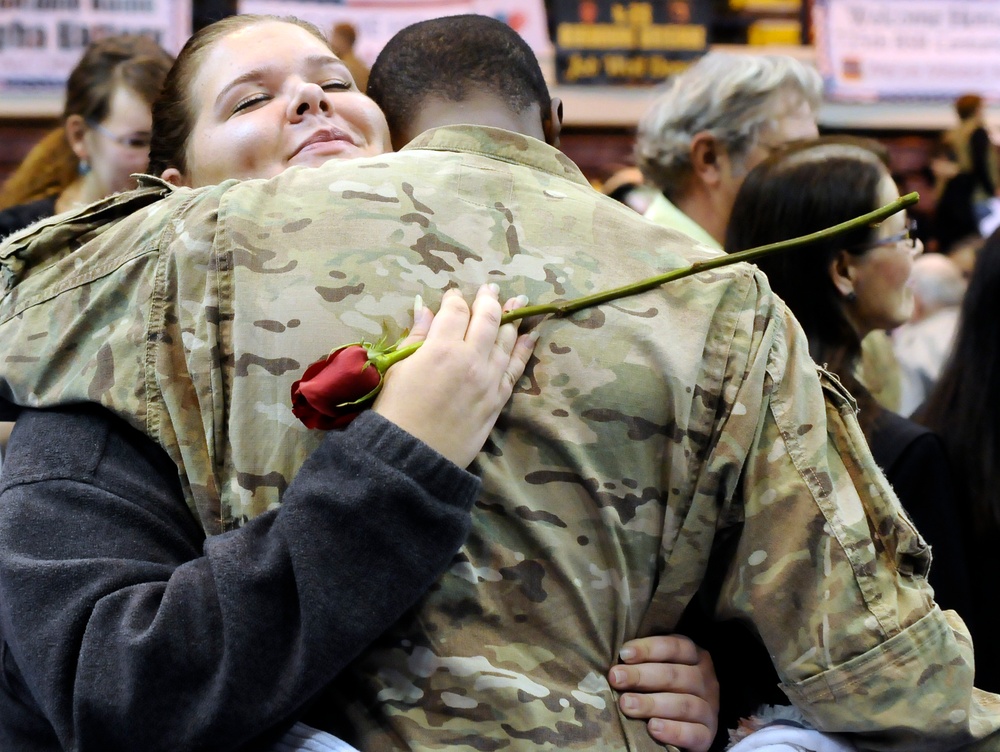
(83, 168)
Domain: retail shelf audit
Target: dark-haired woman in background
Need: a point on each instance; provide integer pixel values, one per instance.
(841, 290)
(964, 410)
(104, 138)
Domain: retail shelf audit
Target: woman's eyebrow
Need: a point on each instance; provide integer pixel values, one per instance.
(318, 63)
(323, 61)
(255, 74)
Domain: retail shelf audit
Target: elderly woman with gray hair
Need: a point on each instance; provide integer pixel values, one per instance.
(714, 122)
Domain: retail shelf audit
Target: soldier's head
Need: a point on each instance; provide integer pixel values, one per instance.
(719, 118)
(462, 69)
(250, 96)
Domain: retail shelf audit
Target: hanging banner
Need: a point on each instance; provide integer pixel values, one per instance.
(376, 21)
(42, 40)
(627, 42)
(908, 49)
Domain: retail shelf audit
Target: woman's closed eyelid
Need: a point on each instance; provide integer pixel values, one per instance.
(338, 85)
(252, 99)
(249, 101)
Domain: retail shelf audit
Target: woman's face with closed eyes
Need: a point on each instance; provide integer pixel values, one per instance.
(271, 96)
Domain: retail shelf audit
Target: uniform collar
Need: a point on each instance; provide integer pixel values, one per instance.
(33, 246)
(497, 143)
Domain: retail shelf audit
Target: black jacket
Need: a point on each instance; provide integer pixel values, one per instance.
(123, 628)
(18, 217)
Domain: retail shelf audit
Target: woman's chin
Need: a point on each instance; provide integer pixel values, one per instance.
(323, 153)
(899, 317)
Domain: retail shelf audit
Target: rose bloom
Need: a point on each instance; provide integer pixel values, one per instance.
(335, 390)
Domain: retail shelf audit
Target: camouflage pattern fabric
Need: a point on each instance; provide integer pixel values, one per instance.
(641, 430)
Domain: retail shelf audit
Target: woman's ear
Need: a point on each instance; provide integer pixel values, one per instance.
(76, 129)
(842, 273)
(173, 176)
(705, 158)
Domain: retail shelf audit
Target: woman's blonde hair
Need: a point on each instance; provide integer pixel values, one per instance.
(49, 167)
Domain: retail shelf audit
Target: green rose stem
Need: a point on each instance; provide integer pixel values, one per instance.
(384, 360)
(751, 254)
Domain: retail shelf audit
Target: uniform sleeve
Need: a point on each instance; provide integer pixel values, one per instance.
(126, 629)
(828, 571)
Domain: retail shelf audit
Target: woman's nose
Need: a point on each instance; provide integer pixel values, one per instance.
(308, 98)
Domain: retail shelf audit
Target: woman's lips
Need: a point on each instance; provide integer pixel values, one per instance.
(325, 141)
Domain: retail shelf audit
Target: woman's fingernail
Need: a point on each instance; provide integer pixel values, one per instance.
(494, 288)
(519, 301)
(626, 654)
(630, 702)
(617, 676)
(418, 306)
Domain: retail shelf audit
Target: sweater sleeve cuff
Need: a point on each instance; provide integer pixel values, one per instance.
(389, 444)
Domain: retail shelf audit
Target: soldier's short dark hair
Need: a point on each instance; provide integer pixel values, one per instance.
(451, 58)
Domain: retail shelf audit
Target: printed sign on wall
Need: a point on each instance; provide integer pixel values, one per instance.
(42, 40)
(627, 42)
(378, 20)
(908, 49)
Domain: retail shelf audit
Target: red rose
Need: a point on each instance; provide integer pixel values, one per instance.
(333, 391)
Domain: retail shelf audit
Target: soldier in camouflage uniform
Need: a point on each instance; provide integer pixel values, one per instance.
(106, 549)
(644, 432)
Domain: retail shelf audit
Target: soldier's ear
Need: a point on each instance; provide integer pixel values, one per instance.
(552, 122)
(173, 176)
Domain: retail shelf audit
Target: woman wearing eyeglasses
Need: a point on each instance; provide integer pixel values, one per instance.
(104, 138)
(841, 290)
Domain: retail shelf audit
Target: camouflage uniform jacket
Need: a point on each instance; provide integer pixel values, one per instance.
(645, 434)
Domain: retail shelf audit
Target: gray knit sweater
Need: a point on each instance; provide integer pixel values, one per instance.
(123, 628)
